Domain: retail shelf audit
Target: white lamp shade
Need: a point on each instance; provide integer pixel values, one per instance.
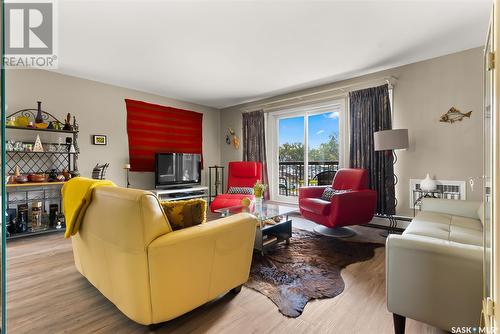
(395, 139)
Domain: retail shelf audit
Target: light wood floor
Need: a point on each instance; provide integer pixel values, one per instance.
(47, 295)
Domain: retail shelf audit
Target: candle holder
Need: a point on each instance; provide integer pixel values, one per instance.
(127, 167)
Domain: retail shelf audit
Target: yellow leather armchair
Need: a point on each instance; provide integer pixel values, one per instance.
(126, 248)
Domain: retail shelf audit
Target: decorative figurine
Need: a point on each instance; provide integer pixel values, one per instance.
(38, 145)
(17, 172)
(234, 138)
(22, 121)
(66, 174)
(51, 126)
(52, 175)
(75, 125)
(11, 121)
(74, 173)
(67, 123)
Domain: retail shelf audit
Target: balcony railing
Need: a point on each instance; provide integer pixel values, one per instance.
(291, 175)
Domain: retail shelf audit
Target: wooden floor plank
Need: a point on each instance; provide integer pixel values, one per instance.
(46, 294)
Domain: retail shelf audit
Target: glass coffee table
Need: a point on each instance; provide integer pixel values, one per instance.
(273, 227)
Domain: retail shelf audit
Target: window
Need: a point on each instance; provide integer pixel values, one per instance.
(307, 147)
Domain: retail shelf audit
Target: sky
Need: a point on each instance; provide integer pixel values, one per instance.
(321, 126)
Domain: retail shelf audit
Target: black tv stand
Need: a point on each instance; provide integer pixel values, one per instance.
(180, 193)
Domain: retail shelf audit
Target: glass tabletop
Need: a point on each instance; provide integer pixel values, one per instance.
(262, 212)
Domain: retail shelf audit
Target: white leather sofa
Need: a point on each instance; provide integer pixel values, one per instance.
(434, 269)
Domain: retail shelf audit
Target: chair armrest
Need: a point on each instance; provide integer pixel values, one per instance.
(434, 281)
(354, 207)
(451, 207)
(191, 266)
(311, 192)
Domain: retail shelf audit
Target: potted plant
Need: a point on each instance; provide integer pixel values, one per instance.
(258, 190)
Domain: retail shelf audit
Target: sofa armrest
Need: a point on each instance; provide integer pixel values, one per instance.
(451, 207)
(434, 281)
(191, 266)
(311, 192)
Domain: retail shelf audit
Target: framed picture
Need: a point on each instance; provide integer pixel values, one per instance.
(99, 140)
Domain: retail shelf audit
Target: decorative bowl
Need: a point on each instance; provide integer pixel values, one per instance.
(36, 178)
(21, 179)
(41, 125)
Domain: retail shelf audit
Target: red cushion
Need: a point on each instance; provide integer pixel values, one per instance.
(243, 168)
(227, 200)
(315, 205)
(350, 179)
(243, 173)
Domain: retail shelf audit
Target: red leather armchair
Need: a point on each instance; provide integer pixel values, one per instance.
(356, 206)
(240, 174)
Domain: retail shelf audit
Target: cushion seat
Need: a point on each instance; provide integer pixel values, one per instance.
(228, 200)
(316, 205)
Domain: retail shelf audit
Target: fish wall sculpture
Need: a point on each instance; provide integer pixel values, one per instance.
(454, 115)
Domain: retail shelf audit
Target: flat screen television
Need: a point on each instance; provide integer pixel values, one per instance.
(177, 169)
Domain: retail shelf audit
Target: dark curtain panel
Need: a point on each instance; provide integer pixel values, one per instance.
(370, 111)
(254, 142)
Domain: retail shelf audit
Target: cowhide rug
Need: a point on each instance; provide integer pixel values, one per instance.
(309, 268)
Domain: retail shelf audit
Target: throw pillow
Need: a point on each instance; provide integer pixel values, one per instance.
(240, 190)
(186, 213)
(329, 192)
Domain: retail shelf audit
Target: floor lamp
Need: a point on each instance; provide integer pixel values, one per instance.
(391, 140)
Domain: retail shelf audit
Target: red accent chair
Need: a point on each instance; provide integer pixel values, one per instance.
(354, 207)
(240, 174)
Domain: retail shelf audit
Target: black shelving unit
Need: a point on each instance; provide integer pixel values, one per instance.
(215, 182)
(39, 162)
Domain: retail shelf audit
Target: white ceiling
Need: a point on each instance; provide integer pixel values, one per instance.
(219, 54)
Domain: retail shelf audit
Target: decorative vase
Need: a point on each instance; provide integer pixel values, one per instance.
(258, 204)
(428, 184)
(39, 115)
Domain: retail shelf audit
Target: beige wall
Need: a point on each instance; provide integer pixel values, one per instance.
(423, 92)
(99, 109)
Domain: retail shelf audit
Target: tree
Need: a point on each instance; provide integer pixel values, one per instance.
(328, 151)
(291, 152)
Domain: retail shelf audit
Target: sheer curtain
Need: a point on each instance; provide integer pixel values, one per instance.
(254, 142)
(370, 111)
